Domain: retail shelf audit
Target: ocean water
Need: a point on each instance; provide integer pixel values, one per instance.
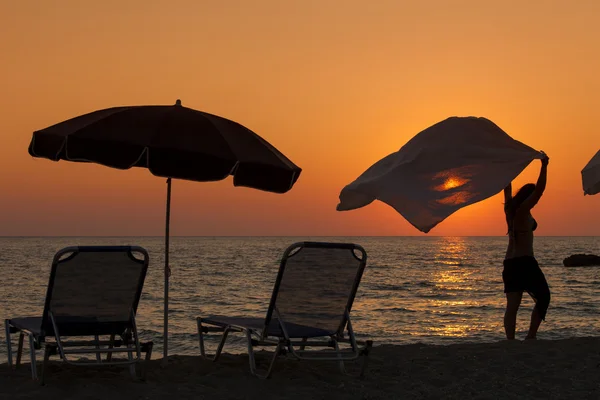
(436, 290)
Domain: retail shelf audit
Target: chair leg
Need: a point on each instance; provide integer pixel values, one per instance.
(98, 355)
(341, 361)
(132, 371)
(252, 359)
(365, 361)
(221, 344)
(32, 357)
(46, 357)
(303, 346)
(8, 343)
(200, 336)
(20, 349)
(110, 346)
(149, 352)
(201, 342)
(146, 360)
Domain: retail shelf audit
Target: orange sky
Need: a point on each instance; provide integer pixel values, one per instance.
(335, 85)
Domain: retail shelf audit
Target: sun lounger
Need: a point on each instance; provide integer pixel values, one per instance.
(93, 292)
(309, 312)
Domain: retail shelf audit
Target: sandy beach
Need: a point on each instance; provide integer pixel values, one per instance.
(534, 369)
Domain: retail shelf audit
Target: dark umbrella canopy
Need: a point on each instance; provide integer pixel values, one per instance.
(172, 142)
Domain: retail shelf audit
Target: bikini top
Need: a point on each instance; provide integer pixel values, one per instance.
(533, 227)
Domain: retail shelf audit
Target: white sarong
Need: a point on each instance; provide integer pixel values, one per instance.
(590, 176)
(454, 163)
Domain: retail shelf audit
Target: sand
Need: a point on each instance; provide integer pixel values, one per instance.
(534, 369)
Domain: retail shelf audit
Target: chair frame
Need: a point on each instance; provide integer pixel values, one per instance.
(284, 343)
(53, 342)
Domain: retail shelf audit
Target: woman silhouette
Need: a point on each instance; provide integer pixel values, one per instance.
(521, 270)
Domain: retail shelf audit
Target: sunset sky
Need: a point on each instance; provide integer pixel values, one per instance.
(335, 85)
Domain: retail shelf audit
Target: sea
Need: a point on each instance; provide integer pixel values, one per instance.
(433, 290)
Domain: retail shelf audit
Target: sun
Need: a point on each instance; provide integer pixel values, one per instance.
(451, 182)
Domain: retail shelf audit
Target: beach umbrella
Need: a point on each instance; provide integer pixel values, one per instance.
(171, 142)
(590, 176)
(448, 166)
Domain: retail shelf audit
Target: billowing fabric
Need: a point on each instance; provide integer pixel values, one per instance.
(590, 176)
(454, 163)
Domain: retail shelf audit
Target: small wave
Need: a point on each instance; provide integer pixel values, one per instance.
(381, 266)
(392, 288)
(395, 309)
(438, 296)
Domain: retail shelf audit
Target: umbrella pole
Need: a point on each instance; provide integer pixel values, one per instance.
(167, 274)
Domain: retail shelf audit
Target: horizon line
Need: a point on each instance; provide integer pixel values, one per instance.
(269, 236)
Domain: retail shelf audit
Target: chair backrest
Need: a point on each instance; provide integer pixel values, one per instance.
(317, 283)
(94, 289)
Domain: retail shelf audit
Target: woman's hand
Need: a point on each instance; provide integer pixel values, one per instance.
(507, 194)
(540, 186)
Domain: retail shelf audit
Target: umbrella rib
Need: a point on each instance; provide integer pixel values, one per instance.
(141, 155)
(65, 143)
(228, 145)
(261, 140)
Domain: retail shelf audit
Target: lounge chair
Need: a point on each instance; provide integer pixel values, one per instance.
(309, 308)
(93, 292)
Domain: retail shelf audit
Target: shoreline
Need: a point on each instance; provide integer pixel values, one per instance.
(566, 368)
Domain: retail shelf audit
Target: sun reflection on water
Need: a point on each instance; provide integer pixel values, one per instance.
(455, 279)
(457, 329)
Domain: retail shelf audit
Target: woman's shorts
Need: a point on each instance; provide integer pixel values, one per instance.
(523, 274)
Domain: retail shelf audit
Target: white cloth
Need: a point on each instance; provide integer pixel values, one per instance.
(454, 163)
(590, 176)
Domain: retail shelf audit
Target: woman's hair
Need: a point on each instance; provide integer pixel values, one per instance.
(513, 205)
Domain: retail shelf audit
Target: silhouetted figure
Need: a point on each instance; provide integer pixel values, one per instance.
(521, 270)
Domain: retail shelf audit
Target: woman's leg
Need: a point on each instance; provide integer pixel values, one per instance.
(542, 300)
(536, 320)
(513, 301)
(538, 289)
